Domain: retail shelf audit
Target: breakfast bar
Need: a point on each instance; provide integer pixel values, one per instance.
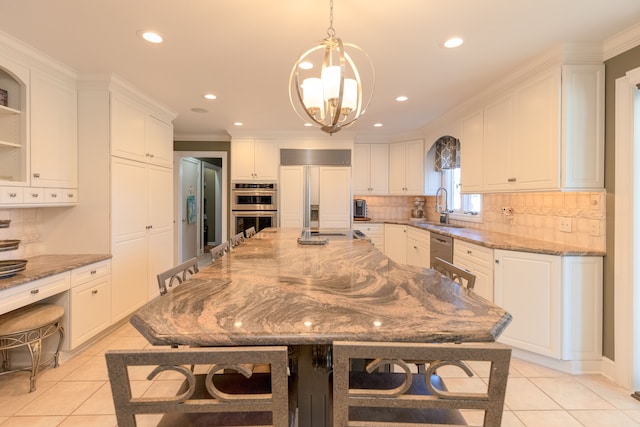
(271, 290)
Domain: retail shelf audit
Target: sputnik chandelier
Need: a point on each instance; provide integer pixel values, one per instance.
(325, 85)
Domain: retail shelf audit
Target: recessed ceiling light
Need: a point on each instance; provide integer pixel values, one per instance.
(378, 125)
(199, 110)
(401, 98)
(237, 123)
(150, 36)
(209, 96)
(453, 42)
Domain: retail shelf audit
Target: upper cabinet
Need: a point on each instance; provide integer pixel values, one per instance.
(138, 135)
(254, 159)
(371, 169)
(14, 82)
(544, 134)
(54, 142)
(406, 168)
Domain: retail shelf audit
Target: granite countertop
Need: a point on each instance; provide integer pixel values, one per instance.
(272, 291)
(41, 266)
(495, 240)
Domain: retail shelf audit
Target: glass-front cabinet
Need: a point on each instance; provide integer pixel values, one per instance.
(13, 126)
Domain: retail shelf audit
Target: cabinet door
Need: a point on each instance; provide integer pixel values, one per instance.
(536, 148)
(397, 177)
(90, 310)
(14, 168)
(498, 137)
(528, 286)
(395, 242)
(127, 129)
(159, 141)
(414, 167)
(129, 240)
(161, 224)
(291, 195)
(418, 247)
(361, 169)
(335, 197)
(54, 143)
(242, 163)
(379, 169)
(266, 160)
(471, 153)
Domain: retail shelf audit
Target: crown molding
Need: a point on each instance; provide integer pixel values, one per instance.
(621, 42)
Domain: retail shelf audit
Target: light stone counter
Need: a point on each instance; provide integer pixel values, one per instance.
(272, 291)
(495, 240)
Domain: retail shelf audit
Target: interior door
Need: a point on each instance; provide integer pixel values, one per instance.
(189, 207)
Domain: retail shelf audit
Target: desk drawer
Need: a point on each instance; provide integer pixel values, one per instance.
(28, 293)
(90, 272)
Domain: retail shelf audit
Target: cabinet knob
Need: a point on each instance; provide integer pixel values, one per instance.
(34, 291)
(36, 175)
(35, 195)
(12, 195)
(512, 180)
(53, 195)
(93, 292)
(70, 195)
(469, 252)
(497, 261)
(93, 272)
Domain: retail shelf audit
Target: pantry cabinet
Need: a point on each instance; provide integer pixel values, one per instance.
(254, 159)
(406, 168)
(371, 169)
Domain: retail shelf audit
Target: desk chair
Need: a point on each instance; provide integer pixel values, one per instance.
(214, 398)
(373, 398)
(177, 275)
(455, 273)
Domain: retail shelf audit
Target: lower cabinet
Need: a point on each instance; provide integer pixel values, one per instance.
(555, 301)
(418, 247)
(90, 302)
(375, 232)
(395, 242)
(479, 261)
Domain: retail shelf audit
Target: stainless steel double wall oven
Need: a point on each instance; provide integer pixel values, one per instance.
(254, 205)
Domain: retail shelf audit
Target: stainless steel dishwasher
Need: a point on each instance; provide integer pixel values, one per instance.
(441, 247)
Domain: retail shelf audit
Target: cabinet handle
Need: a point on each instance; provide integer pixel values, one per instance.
(497, 261)
(512, 180)
(12, 195)
(35, 195)
(93, 292)
(469, 252)
(70, 195)
(53, 195)
(34, 291)
(36, 175)
(151, 155)
(93, 272)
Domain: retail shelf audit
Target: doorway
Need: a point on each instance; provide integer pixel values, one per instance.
(201, 201)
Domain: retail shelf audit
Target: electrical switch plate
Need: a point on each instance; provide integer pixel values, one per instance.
(565, 225)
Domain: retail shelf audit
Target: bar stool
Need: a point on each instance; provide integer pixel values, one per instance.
(28, 326)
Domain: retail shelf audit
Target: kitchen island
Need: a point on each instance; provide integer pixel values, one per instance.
(272, 291)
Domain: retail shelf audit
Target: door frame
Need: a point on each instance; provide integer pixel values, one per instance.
(177, 157)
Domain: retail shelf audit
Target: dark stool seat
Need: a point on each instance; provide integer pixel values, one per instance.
(28, 326)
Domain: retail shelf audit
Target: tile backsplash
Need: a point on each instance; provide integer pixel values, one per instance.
(535, 215)
(24, 227)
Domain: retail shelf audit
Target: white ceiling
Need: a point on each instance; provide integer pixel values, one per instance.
(243, 50)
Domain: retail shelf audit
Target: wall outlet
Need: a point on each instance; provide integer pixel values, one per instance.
(507, 211)
(565, 225)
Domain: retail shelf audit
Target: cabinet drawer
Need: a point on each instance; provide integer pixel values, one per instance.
(90, 310)
(475, 253)
(90, 272)
(33, 195)
(20, 296)
(11, 195)
(69, 195)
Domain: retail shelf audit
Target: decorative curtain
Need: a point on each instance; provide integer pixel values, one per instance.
(447, 153)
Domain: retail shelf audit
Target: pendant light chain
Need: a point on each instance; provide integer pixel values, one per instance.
(330, 31)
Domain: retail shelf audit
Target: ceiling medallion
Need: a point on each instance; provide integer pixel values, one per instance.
(332, 95)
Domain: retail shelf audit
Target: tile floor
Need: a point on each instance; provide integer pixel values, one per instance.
(77, 393)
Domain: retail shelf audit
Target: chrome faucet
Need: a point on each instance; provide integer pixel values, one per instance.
(443, 211)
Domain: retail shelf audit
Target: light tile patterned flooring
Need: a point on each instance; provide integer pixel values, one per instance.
(77, 394)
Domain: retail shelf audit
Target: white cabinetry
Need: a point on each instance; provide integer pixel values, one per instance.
(544, 134)
(90, 302)
(479, 261)
(395, 242)
(14, 124)
(418, 247)
(54, 144)
(291, 196)
(335, 197)
(471, 153)
(556, 303)
(371, 169)
(375, 232)
(254, 159)
(406, 168)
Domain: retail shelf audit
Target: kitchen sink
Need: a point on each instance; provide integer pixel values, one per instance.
(439, 224)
